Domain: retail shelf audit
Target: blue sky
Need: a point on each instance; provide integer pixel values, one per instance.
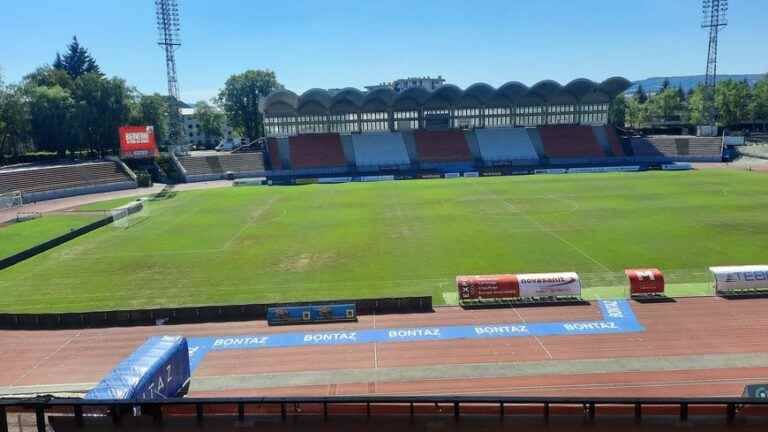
(339, 43)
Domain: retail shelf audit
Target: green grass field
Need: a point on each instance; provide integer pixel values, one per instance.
(17, 237)
(264, 244)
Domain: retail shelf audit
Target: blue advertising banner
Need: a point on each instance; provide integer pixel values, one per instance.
(618, 317)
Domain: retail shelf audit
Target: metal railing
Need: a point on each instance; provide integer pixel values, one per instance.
(492, 405)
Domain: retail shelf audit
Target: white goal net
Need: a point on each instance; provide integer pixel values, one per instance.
(10, 200)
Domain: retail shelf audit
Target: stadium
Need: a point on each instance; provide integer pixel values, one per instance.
(486, 258)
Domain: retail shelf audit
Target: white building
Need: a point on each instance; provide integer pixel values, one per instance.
(193, 136)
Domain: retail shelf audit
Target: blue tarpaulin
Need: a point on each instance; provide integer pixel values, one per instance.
(158, 369)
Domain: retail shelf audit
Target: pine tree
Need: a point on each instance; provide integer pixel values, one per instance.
(77, 61)
(664, 85)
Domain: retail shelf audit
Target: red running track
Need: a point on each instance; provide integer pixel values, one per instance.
(687, 328)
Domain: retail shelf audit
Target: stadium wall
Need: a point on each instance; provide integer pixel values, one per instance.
(84, 190)
(197, 314)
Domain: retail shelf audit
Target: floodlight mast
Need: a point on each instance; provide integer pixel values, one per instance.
(714, 17)
(168, 27)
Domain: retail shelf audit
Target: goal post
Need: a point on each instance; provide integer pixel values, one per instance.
(10, 200)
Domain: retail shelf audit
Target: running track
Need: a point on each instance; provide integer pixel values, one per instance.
(674, 333)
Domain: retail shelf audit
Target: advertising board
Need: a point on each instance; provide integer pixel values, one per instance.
(487, 287)
(518, 285)
(549, 284)
(645, 281)
(283, 315)
(735, 278)
(158, 369)
(137, 142)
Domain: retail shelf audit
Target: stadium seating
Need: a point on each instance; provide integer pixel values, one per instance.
(37, 180)
(316, 151)
(678, 148)
(441, 146)
(380, 150)
(608, 140)
(570, 143)
(506, 145)
(209, 167)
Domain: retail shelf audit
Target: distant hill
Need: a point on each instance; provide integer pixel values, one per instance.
(653, 85)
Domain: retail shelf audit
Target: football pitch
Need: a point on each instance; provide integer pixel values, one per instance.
(405, 238)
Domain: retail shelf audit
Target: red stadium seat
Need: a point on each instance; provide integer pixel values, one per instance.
(442, 146)
(317, 151)
(570, 142)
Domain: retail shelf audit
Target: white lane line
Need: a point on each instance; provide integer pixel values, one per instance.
(375, 355)
(44, 359)
(541, 344)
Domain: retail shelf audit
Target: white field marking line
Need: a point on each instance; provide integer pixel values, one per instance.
(613, 386)
(253, 218)
(44, 359)
(541, 344)
(543, 228)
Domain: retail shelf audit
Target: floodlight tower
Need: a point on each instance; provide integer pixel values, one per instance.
(168, 27)
(713, 17)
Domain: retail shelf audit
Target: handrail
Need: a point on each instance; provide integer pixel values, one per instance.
(512, 400)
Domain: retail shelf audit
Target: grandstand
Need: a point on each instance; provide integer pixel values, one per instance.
(677, 148)
(312, 152)
(442, 149)
(571, 144)
(380, 150)
(40, 183)
(202, 168)
(506, 146)
(323, 132)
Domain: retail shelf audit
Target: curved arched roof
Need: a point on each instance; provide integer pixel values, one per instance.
(614, 85)
(350, 94)
(350, 99)
(580, 87)
(411, 98)
(283, 99)
(315, 95)
(347, 100)
(480, 92)
(546, 88)
(386, 95)
(511, 91)
(444, 96)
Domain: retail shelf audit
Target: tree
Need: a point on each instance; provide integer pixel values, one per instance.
(14, 121)
(637, 112)
(697, 107)
(758, 108)
(77, 61)
(240, 99)
(617, 111)
(664, 85)
(152, 110)
(103, 105)
(681, 93)
(46, 76)
(51, 111)
(732, 99)
(640, 95)
(665, 106)
(211, 121)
